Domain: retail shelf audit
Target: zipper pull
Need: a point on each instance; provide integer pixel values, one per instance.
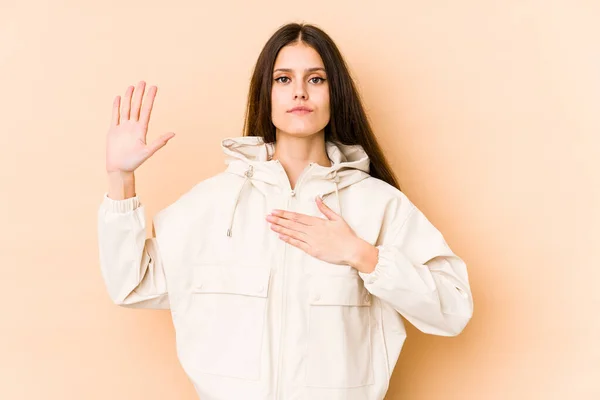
(293, 193)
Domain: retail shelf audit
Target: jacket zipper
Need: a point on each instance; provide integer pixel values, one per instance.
(292, 193)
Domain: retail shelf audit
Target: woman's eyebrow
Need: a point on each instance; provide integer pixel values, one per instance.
(306, 70)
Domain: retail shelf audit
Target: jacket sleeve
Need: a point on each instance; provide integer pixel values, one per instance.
(421, 278)
(130, 263)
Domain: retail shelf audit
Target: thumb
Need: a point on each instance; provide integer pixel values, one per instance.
(328, 212)
(159, 143)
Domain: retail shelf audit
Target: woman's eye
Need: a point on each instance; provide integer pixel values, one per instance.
(285, 79)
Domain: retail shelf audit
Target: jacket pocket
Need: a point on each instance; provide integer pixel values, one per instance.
(339, 333)
(229, 305)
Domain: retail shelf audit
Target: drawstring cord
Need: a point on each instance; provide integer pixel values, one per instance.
(336, 180)
(248, 174)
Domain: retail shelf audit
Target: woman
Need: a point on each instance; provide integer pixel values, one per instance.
(287, 273)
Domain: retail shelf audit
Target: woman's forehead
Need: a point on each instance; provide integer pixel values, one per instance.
(298, 57)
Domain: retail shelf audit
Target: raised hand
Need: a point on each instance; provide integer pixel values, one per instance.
(126, 147)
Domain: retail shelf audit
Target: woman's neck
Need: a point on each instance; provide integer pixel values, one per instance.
(295, 153)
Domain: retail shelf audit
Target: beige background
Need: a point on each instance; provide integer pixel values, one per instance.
(489, 111)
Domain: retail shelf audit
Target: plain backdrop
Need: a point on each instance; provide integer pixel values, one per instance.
(488, 110)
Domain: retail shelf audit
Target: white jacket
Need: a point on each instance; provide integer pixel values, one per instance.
(257, 318)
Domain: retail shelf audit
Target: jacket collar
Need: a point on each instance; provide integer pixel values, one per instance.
(250, 157)
(350, 163)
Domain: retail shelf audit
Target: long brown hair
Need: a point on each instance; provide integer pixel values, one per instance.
(348, 123)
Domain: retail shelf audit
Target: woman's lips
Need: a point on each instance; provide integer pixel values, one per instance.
(301, 112)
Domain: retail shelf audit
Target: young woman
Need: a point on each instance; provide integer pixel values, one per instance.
(287, 274)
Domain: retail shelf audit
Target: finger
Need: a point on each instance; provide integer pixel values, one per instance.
(159, 143)
(300, 218)
(115, 111)
(126, 104)
(289, 232)
(328, 212)
(287, 223)
(137, 101)
(147, 107)
(296, 243)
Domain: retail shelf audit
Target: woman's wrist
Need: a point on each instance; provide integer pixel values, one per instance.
(121, 185)
(364, 257)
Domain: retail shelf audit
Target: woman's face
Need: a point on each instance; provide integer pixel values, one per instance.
(299, 80)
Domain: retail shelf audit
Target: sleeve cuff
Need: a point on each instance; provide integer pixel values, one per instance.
(121, 206)
(371, 277)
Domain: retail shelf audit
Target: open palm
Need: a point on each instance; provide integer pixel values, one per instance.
(126, 147)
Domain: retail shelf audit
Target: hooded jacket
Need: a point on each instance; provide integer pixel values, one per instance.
(259, 319)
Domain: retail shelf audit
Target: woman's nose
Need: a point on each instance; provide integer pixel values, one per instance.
(300, 92)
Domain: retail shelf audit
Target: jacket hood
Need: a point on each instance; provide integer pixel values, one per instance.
(250, 157)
